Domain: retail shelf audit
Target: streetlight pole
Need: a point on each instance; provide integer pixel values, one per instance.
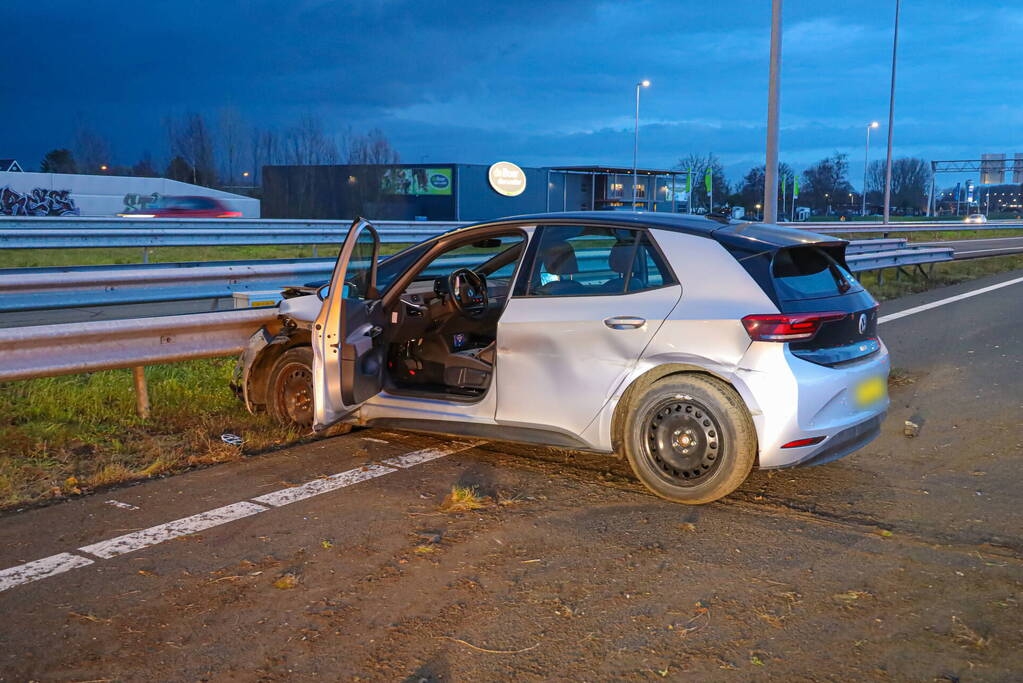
(773, 88)
(891, 119)
(635, 143)
(866, 161)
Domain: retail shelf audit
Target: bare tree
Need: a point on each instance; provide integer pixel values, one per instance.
(825, 182)
(265, 150)
(91, 150)
(190, 139)
(231, 135)
(698, 165)
(306, 143)
(372, 148)
(910, 179)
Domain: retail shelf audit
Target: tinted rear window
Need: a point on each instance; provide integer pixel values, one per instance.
(810, 273)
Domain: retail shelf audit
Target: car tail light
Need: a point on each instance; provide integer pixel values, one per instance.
(784, 327)
(804, 442)
(230, 214)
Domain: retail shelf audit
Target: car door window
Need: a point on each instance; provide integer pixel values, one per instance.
(473, 256)
(595, 261)
(360, 265)
(649, 270)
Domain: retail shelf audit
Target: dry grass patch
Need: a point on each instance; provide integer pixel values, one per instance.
(83, 428)
(464, 498)
(966, 636)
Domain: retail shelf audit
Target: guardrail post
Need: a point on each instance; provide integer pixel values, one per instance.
(315, 252)
(141, 392)
(145, 254)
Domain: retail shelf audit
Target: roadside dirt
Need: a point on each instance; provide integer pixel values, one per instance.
(903, 562)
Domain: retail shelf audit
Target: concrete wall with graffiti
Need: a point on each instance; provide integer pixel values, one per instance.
(58, 194)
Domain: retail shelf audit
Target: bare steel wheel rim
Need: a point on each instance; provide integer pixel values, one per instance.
(682, 441)
(294, 394)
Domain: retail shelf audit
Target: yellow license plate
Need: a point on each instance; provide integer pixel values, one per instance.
(871, 391)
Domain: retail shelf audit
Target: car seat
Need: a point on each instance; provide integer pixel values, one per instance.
(619, 259)
(558, 258)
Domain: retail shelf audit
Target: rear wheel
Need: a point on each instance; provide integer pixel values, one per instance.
(690, 438)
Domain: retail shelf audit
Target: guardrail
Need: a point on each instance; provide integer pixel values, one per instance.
(72, 348)
(75, 233)
(27, 289)
(861, 227)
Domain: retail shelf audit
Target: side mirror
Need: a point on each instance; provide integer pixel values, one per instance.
(489, 243)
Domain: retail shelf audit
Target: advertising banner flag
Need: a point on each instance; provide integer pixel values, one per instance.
(708, 180)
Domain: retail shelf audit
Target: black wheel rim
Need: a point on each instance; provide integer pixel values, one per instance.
(682, 441)
(294, 394)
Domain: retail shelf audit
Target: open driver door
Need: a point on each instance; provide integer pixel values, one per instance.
(348, 353)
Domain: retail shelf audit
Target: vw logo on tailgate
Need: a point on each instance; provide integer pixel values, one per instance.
(862, 326)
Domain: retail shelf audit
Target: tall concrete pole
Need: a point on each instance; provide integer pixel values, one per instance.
(891, 119)
(773, 88)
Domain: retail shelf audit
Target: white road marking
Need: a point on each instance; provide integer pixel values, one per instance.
(318, 486)
(56, 564)
(978, 239)
(119, 504)
(165, 532)
(949, 300)
(40, 569)
(427, 454)
(982, 251)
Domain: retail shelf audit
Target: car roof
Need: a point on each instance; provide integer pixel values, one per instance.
(752, 235)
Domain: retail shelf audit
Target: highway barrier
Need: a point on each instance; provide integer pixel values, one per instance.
(76, 233)
(72, 348)
(27, 289)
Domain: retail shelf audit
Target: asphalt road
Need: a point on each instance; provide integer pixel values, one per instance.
(901, 562)
(967, 249)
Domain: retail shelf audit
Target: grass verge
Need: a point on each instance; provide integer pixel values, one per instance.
(947, 273)
(62, 436)
(41, 258)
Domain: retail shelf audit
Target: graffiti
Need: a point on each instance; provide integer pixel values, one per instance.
(38, 202)
(138, 202)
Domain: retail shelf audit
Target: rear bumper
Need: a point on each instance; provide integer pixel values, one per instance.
(798, 399)
(849, 440)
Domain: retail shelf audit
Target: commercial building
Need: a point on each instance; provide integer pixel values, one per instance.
(992, 169)
(462, 192)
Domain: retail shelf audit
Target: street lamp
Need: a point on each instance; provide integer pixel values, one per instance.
(866, 160)
(635, 144)
(891, 118)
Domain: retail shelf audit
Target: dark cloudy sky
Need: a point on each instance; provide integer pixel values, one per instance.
(533, 81)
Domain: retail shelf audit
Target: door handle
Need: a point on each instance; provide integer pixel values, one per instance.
(624, 322)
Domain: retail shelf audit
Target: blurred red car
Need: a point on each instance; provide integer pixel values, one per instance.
(184, 207)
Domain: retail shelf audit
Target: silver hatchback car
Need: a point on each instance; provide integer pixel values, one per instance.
(697, 348)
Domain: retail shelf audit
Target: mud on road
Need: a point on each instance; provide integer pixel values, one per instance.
(901, 562)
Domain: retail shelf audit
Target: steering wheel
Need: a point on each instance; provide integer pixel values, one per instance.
(468, 291)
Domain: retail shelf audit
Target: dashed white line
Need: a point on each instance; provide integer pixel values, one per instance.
(426, 455)
(318, 486)
(984, 251)
(165, 532)
(949, 300)
(57, 564)
(40, 569)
